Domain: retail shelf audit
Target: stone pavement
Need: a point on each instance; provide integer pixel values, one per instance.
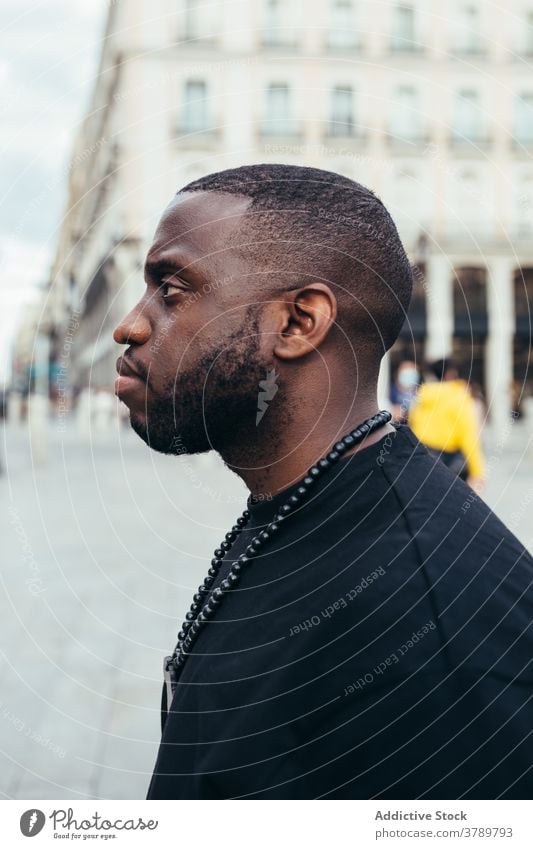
(103, 546)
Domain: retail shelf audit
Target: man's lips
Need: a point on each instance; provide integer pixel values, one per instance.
(129, 379)
(127, 369)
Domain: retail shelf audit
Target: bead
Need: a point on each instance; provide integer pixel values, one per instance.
(356, 434)
(250, 551)
(236, 568)
(339, 446)
(236, 530)
(364, 428)
(201, 616)
(208, 611)
(219, 553)
(272, 528)
(323, 464)
(349, 440)
(244, 559)
(285, 509)
(264, 536)
(197, 597)
(189, 616)
(301, 491)
(208, 580)
(230, 536)
(314, 472)
(225, 545)
(217, 594)
(246, 514)
(256, 543)
(212, 571)
(333, 456)
(294, 499)
(308, 480)
(181, 636)
(216, 563)
(225, 585)
(233, 579)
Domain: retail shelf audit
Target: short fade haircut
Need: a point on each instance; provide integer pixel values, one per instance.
(333, 228)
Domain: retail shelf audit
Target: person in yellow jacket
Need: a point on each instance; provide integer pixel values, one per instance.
(443, 417)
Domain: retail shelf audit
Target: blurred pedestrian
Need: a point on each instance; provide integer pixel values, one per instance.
(445, 419)
(403, 390)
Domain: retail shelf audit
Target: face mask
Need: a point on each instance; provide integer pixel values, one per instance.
(409, 378)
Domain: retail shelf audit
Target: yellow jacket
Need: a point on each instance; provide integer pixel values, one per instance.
(444, 417)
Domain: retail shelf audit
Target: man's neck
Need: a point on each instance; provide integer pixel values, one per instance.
(274, 461)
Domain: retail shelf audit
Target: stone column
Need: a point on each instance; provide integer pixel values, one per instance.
(499, 351)
(439, 307)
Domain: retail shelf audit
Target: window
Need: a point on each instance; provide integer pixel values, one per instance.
(467, 124)
(342, 111)
(470, 302)
(405, 121)
(528, 34)
(342, 32)
(403, 28)
(276, 30)
(524, 118)
(468, 30)
(278, 119)
(194, 110)
(192, 19)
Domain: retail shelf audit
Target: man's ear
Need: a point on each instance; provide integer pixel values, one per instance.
(306, 318)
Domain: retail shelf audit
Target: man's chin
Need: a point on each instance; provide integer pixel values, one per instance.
(160, 437)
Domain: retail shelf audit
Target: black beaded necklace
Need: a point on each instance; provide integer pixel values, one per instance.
(200, 610)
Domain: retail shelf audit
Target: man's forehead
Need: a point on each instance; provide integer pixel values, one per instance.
(199, 220)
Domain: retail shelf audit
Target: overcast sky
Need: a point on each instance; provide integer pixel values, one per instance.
(48, 56)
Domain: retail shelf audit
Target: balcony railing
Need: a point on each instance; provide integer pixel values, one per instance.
(468, 139)
(279, 38)
(397, 136)
(337, 39)
(280, 129)
(468, 50)
(405, 45)
(190, 135)
(518, 141)
(338, 131)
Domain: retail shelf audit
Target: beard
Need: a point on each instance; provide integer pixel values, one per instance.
(213, 405)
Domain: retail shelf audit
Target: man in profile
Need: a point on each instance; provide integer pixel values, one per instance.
(359, 634)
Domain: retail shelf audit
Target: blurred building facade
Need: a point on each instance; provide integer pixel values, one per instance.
(432, 108)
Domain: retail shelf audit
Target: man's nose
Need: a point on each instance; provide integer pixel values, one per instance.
(133, 329)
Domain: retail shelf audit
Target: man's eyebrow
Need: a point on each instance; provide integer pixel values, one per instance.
(153, 267)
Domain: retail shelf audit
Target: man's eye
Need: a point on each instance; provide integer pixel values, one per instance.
(170, 289)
